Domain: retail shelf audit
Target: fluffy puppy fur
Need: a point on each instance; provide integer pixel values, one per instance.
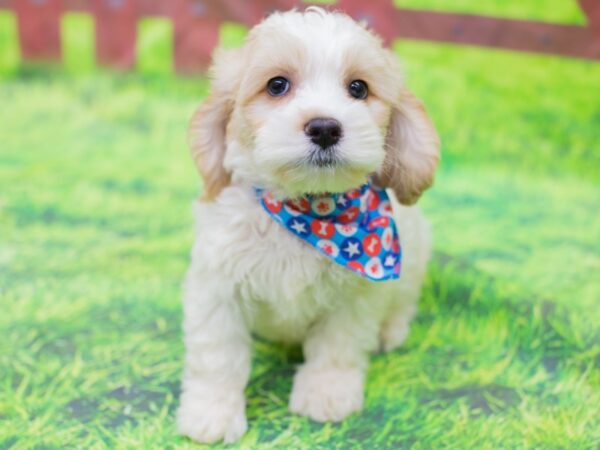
(248, 274)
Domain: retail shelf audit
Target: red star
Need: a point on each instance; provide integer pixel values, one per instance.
(322, 206)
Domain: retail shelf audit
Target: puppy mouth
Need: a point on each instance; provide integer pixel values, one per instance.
(324, 157)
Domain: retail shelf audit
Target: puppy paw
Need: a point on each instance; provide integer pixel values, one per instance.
(327, 394)
(212, 417)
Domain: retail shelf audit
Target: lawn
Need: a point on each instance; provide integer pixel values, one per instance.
(96, 188)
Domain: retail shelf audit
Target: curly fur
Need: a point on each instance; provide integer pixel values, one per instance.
(248, 274)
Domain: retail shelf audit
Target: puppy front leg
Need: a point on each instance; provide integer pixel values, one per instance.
(217, 363)
(329, 385)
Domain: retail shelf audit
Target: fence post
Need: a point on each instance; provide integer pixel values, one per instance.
(196, 33)
(591, 8)
(116, 23)
(39, 29)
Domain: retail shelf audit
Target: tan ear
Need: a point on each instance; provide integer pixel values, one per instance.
(412, 147)
(208, 127)
(206, 136)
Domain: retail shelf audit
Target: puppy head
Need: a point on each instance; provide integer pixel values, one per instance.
(312, 103)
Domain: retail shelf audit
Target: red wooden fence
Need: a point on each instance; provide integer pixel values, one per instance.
(196, 24)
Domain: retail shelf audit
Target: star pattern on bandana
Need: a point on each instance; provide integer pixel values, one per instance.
(298, 227)
(390, 261)
(342, 201)
(355, 229)
(352, 248)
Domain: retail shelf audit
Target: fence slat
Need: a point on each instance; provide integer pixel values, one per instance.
(116, 25)
(591, 8)
(522, 35)
(251, 12)
(196, 33)
(153, 7)
(39, 32)
(77, 5)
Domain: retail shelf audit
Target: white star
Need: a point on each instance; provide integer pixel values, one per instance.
(298, 227)
(352, 249)
(342, 200)
(389, 260)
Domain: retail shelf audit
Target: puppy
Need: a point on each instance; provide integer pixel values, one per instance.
(311, 108)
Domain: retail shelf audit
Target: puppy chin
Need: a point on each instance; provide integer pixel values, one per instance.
(320, 177)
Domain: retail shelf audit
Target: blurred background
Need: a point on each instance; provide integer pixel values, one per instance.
(96, 187)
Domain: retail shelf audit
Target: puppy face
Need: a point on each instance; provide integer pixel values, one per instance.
(312, 103)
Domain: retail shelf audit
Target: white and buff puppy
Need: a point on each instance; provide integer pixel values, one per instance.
(249, 274)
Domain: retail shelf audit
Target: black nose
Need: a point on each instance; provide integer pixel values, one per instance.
(323, 132)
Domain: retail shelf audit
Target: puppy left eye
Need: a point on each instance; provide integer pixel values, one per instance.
(358, 89)
(278, 86)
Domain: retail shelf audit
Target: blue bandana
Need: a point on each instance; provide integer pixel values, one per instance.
(356, 229)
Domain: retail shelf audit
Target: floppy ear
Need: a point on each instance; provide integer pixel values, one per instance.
(412, 147)
(208, 126)
(206, 137)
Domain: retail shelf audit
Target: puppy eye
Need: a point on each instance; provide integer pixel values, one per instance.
(278, 86)
(358, 89)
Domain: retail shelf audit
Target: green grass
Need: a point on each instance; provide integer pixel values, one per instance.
(78, 32)
(154, 46)
(96, 188)
(9, 48)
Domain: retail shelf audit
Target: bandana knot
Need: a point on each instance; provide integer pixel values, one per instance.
(356, 229)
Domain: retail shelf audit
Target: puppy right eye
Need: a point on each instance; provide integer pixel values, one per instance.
(278, 86)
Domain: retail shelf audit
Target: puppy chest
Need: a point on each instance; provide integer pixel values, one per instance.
(282, 283)
(242, 242)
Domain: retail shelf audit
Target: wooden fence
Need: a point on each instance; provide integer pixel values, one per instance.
(196, 26)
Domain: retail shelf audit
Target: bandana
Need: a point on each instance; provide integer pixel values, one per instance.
(356, 229)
